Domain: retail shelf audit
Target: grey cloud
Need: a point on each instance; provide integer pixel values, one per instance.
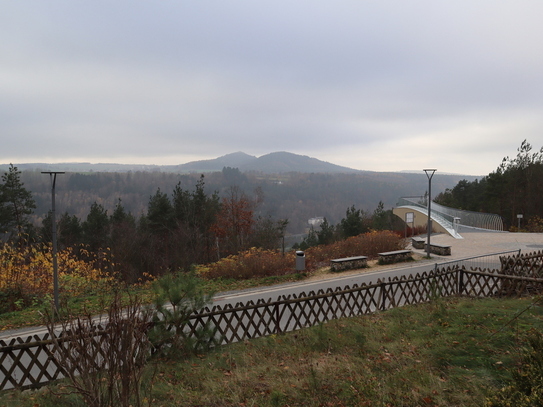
(147, 79)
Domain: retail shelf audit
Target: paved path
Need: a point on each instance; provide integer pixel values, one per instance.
(473, 244)
(476, 243)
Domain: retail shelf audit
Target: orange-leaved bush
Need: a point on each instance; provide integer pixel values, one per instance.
(254, 262)
(367, 244)
(26, 275)
(264, 263)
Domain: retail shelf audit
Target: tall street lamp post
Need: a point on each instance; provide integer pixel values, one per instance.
(53, 176)
(429, 174)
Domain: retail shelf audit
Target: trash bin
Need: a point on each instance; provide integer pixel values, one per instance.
(300, 260)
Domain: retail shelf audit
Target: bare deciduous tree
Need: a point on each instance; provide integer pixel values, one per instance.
(104, 357)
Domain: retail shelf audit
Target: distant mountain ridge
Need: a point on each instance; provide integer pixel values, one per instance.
(233, 160)
(292, 195)
(273, 163)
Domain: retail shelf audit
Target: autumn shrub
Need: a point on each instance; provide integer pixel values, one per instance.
(535, 225)
(26, 275)
(252, 263)
(93, 274)
(256, 263)
(367, 244)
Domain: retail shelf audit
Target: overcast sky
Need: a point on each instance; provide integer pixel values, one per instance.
(373, 85)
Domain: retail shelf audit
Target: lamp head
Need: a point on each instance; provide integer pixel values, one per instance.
(429, 172)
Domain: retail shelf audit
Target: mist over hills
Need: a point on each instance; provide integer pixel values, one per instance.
(294, 187)
(273, 163)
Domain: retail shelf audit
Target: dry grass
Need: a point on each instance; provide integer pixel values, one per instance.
(448, 353)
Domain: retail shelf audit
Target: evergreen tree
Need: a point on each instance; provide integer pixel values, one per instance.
(157, 241)
(265, 234)
(514, 188)
(160, 213)
(120, 215)
(310, 240)
(125, 243)
(354, 223)
(269, 234)
(326, 233)
(206, 208)
(195, 212)
(380, 218)
(16, 203)
(69, 230)
(96, 228)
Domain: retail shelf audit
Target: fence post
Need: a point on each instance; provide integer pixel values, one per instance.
(461, 281)
(382, 296)
(277, 321)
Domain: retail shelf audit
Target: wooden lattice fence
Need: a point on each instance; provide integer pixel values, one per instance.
(524, 265)
(27, 362)
(528, 267)
(30, 362)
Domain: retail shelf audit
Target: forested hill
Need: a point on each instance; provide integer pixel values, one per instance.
(514, 189)
(273, 163)
(293, 196)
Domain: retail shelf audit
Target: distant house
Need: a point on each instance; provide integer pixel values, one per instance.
(315, 222)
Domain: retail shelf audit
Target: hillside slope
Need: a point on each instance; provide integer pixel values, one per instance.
(295, 196)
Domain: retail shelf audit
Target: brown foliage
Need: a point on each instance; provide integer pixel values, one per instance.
(252, 263)
(234, 222)
(256, 263)
(367, 244)
(26, 274)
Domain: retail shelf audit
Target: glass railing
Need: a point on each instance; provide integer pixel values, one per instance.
(466, 218)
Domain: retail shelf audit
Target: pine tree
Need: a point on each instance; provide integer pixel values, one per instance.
(379, 219)
(326, 233)
(354, 223)
(160, 213)
(96, 228)
(16, 203)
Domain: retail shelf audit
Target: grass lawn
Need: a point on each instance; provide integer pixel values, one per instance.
(451, 352)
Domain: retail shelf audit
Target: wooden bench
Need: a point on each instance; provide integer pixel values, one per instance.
(394, 256)
(418, 242)
(348, 263)
(439, 249)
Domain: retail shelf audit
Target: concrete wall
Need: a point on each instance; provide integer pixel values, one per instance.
(419, 220)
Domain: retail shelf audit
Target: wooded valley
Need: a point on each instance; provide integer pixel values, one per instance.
(138, 224)
(293, 196)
